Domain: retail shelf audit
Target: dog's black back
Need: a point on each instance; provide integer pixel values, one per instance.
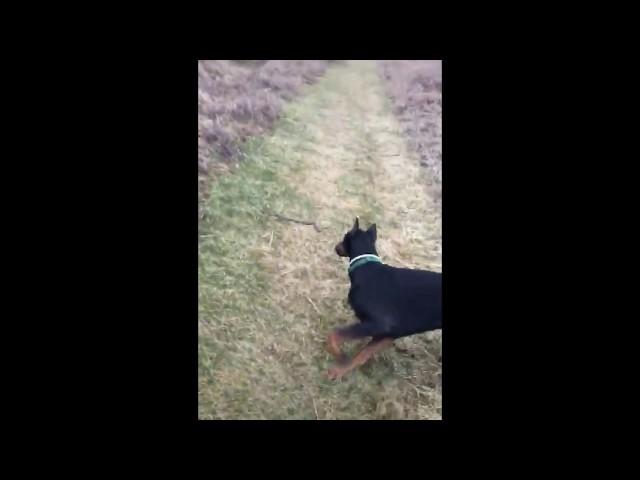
(397, 302)
(389, 301)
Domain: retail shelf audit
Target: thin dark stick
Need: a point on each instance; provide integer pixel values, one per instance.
(289, 219)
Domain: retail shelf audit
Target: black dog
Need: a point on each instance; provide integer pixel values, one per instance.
(390, 302)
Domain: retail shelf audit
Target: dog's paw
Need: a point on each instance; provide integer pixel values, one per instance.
(336, 372)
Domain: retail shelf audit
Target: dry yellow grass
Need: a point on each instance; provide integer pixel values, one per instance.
(270, 291)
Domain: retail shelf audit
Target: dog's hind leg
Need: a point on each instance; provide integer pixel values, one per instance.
(361, 357)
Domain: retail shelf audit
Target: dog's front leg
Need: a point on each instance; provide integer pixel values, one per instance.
(361, 357)
(333, 346)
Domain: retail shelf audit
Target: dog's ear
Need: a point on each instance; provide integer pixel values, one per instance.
(372, 231)
(356, 226)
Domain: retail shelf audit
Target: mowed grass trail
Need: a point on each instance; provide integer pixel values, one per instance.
(270, 290)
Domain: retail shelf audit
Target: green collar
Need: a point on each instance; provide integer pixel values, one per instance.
(362, 259)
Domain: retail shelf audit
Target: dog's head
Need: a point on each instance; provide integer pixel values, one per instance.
(357, 242)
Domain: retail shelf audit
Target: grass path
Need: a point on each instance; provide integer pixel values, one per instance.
(270, 291)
